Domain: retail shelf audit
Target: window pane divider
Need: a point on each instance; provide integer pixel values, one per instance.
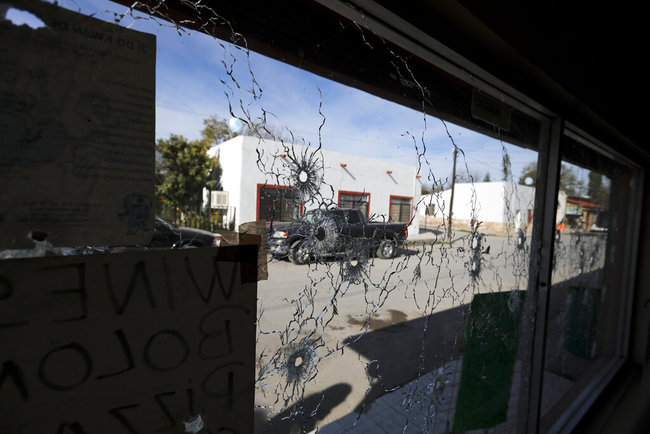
(571, 416)
(548, 169)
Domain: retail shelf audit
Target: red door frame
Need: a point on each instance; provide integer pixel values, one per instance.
(277, 187)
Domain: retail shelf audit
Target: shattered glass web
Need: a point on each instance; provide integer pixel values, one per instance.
(579, 301)
(437, 280)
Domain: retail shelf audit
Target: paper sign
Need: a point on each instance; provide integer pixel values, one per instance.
(256, 233)
(77, 115)
(490, 110)
(131, 342)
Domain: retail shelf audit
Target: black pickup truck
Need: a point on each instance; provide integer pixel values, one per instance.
(335, 232)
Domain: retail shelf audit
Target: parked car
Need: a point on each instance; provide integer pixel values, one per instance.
(335, 232)
(167, 235)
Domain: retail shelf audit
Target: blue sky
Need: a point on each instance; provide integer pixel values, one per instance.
(190, 73)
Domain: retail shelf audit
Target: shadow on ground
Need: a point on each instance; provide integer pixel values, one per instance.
(404, 351)
(302, 417)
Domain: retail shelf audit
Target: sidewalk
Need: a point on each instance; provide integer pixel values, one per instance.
(425, 405)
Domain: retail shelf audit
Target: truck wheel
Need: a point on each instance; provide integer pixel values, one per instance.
(299, 254)
(387, 249)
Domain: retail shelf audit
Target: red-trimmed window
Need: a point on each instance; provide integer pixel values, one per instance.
(277, 203)
(355, 199)
(401, 208)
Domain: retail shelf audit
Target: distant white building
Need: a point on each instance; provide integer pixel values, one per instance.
(270, 180)
(495, 204)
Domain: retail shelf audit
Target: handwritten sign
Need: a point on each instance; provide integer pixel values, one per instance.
(78, 130)
(132, 342)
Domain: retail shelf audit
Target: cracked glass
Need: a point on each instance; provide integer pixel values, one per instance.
(398, 232)
(585, 293)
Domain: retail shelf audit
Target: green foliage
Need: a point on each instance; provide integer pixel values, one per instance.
(506, 168)
(529, 171)
(216, 131)
(598, 192)
(430, 189)
(569, 181)
(185, 168)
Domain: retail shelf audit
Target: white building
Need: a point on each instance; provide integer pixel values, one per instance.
(270, 180)
(495, 204)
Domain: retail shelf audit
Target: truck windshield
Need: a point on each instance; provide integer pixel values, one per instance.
(311, 216)
(317, 215)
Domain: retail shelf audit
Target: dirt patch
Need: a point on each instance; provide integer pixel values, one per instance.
(376, 322)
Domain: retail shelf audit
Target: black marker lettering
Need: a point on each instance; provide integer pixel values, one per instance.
(209, 383)
(74, 428)
(167, 365)
(52, 384)
(126, 349)
(168, 284)
(216, 278)
(158, 398)
(139, 270)
(117, 414)
(190, 401)
(6, 291)
(11, 370)
(219, 338)
(79, 290)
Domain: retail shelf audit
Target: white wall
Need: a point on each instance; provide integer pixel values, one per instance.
(230, 157)
(494, 202)
(248, 161)
(521, 203)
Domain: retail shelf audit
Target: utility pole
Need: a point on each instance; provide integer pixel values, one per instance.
(451, 200)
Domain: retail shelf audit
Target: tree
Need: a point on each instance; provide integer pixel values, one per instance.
(506, 168)
(216, 130)
(184, 170)
(529, 171)
(596, 190)
(569, 181)
(264, 130)
(487, 177)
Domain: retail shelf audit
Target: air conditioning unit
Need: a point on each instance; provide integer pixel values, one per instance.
(219, 199)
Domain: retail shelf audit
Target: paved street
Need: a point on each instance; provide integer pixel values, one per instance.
(413, 306)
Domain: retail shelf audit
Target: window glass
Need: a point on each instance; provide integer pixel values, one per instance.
(355, 200)
(416, 311)
(419, 318)
(587, 294)
(400, 209)
(278, 204)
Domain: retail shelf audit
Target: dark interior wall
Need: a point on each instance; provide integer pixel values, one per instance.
(583, 62)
